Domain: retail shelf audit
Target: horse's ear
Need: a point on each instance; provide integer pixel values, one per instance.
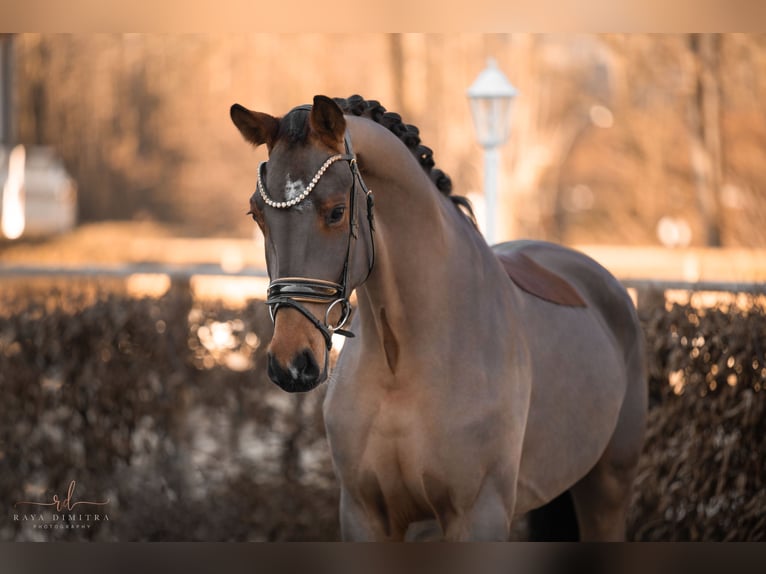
(327, 121)
(257, 128)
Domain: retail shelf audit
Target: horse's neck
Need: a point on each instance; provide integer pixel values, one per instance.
(430, 262)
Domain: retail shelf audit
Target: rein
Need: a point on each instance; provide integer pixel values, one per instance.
(292, 292)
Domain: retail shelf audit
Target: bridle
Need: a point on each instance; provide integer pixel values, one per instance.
(292, 292)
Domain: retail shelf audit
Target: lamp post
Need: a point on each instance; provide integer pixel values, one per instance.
(491, 98)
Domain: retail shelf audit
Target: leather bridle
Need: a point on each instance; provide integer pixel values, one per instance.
(293, 292)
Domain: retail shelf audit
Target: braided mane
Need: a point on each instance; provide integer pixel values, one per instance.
(409, 135)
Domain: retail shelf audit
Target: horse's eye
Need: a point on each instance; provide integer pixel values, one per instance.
(336, 215)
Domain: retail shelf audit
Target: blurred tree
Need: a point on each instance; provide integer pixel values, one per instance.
(704, 116)
(396, 45)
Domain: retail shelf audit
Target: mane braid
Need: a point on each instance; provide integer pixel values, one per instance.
(410, 136)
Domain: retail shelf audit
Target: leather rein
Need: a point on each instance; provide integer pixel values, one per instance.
(293, 292)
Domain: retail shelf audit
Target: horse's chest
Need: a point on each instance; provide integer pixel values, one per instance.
(383, 446)
(394, 443)
(402, 453)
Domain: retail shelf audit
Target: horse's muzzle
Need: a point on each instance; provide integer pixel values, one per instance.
(301, 375)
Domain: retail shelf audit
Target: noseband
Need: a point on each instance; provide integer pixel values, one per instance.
(292, 292)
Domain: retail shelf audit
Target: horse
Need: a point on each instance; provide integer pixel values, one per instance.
(476, 383)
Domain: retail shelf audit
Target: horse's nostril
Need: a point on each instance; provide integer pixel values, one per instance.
(306, 366)
(302, 374)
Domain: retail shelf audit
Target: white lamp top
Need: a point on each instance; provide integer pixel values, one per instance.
(491, 83)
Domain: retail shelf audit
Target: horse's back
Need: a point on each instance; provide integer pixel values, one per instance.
(584, 359)
(599, 290)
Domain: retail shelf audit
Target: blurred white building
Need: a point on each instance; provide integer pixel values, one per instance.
(37, 195)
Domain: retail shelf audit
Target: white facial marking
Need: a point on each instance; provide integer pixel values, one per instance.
(293, 188)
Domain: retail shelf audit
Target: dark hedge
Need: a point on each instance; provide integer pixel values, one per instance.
(162, 406)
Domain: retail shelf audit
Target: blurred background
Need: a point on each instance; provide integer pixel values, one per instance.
(132, 331)
(609, 133)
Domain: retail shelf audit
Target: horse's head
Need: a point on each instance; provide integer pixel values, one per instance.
(310, 205)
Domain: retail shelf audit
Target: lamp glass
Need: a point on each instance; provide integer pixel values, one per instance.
(492, 119)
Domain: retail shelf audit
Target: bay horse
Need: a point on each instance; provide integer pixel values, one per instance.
(476, 383)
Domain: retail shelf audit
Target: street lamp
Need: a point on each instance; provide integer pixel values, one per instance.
(491, 98)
